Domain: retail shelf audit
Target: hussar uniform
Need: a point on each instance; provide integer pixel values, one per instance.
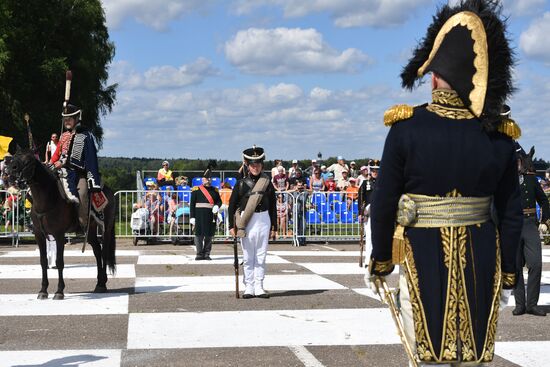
(203, 209)
(454, 259)
(78, 154)
(253, 212)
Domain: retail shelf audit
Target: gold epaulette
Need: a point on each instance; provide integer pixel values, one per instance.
(510, 128)
(398, 113)
(195, 188)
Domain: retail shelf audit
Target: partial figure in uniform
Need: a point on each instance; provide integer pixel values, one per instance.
(530, 249)
(365, 196)
(203, 210)
(253, 219)
(76, 158)
(454, 260)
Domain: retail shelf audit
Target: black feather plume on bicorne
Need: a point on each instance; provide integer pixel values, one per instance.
(501, 56)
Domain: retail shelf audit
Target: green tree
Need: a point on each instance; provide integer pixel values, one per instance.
(39, 41)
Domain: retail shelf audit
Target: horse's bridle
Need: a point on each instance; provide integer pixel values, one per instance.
(26, 173)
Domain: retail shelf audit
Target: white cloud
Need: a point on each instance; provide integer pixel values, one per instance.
(283, 51)
(155, 14)
(535, 41)
(523, 7)
(161, 77)
(284, 118)
(345, 13)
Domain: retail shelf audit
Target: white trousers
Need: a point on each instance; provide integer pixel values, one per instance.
(408, 322)
(254, 247)
(368, 241)
(51, 250)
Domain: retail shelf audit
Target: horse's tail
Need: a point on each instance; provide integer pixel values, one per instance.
(109, 239)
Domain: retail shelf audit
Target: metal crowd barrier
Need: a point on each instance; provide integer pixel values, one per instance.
(15, 220)
(163, 215)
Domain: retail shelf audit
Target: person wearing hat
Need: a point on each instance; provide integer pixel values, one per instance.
(338, 168)
(454, 260)
(165, 176)
(366, 187)
(293, 168)
(364, 170)
(253, 219)
(330, 184)
(76, 158)
(530, 251)
(203, 210)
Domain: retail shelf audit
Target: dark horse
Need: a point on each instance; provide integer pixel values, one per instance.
(52, 214)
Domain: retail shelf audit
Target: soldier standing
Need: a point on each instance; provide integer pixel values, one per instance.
(203, 209)
(454, 260)
(253, 219)
(530, 251)
(365, 195)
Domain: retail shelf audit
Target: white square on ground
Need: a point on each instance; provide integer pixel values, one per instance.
(73, 304)
(317, 253)
(66, 253)
(187, 259)
(261, 328)
(88, 358)
(334, 268)
(227, 283)
(72, 271)
(526, 353)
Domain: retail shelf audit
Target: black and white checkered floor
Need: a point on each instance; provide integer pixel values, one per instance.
(166, 309)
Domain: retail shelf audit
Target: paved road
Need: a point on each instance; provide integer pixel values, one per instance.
(165, 309)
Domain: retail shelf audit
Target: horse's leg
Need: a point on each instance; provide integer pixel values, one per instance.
(101, 266)
(60, 263)
(41, 241)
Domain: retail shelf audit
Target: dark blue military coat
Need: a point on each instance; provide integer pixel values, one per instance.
(454, 276)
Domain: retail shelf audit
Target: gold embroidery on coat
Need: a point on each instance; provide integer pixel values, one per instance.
(424, 347)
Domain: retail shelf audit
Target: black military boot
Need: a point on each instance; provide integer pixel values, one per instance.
(519, 310)
(537, 311)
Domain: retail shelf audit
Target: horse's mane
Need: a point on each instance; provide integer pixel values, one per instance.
(40, 165)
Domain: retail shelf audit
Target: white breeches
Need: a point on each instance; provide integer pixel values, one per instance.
(368, 241)
(408, 322)
(254, 247)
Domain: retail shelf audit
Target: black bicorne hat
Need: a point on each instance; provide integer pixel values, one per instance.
(70, 110)
(467, 46)
(254, 155)
(208, 172)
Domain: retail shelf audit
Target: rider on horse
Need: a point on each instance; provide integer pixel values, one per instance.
(77, 161)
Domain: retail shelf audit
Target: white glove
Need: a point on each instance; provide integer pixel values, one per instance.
(543, 228)
(369, 282)
(215, 209)
(192, 221)
(504, 297)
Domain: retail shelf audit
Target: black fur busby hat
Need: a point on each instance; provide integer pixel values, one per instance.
(467, 46)
(208, 172)
(254, 155)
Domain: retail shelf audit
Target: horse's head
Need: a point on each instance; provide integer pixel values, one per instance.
(22, 166)
(525, 160)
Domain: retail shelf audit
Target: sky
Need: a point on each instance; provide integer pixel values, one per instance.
(208, 78)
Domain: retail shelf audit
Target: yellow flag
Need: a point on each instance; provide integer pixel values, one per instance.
(4, 145)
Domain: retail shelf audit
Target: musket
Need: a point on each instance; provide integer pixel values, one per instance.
(381, 285)
(236, 266)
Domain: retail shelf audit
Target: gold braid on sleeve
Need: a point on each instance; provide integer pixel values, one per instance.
(508, 280)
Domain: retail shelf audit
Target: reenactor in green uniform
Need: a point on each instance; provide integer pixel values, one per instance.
(204, 207)
(530, 249)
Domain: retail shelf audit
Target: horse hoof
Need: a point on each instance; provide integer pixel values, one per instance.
(99, 289)
(59, 296)
(42, 295)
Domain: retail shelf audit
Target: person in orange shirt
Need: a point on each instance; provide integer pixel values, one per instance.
(352, 192)
(225, 194)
